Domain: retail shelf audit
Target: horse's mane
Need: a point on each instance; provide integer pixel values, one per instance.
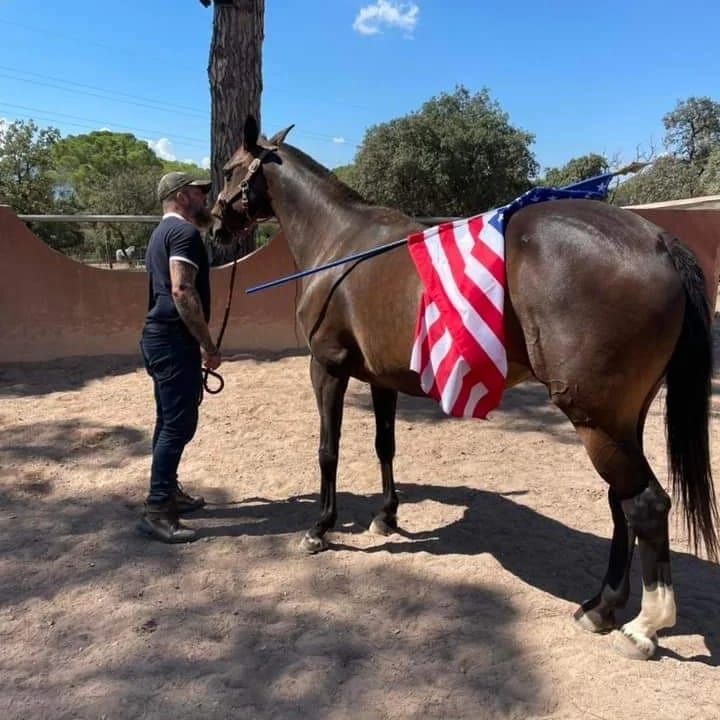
(339, 190)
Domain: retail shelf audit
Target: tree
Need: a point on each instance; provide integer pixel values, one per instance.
(27, 182)
(457, 155)
(188, 167)
(111, 173)
(668, 178)
(577, 169)
(346, 174)
(710, 178)
(235, 73)
(693, 129)
(692, 166)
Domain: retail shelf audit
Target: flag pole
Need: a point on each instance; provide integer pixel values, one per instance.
(631, 168)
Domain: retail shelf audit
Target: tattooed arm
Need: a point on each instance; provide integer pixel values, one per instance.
(189, 306)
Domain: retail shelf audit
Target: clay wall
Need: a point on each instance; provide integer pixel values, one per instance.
(53, 307)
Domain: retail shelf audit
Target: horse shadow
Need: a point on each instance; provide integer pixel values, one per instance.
(533, 547)
(527, 406)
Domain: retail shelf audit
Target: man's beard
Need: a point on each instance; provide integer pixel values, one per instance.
(202, 217)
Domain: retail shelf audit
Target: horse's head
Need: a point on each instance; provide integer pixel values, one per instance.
(244, 199)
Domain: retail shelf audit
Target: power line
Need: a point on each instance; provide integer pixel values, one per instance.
(54, 114)
(106, 122)
(144, 102)
(169, 108)
(83, 40)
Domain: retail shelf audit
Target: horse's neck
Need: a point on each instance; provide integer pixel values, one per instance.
(310, 216)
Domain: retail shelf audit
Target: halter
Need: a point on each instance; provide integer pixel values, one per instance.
(243, 188)
(242, 193)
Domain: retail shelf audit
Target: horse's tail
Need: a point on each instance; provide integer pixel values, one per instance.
(687, 407)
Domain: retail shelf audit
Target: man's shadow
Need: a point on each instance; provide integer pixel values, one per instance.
(563, 561)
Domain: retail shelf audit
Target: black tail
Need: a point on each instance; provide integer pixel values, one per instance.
(687, 407)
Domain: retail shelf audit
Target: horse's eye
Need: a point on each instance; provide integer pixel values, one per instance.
(228, 174)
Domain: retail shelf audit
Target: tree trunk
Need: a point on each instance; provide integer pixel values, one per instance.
(235, 72)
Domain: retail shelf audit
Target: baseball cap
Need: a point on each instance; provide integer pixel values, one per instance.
(174, 181)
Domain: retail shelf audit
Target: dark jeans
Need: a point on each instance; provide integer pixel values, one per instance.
(172, 359)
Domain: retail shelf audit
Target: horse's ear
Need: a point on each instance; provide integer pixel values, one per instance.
(279, 137)
(251, 131)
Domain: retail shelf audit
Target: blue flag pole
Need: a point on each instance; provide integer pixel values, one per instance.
(334, 263)
(593, 187)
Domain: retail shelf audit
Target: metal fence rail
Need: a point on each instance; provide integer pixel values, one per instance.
(156, 218)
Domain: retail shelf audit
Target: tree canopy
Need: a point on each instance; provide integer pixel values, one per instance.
(26, 161)
(691, 166)
(577, 169)
(105, 172)
(457, 155)
(27, 183)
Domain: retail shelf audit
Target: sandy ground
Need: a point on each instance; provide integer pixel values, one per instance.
(465, 614)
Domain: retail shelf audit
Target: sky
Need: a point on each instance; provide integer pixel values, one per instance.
(581, 77)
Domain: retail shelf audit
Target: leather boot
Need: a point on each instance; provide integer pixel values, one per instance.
(162, 522)
(185, 503)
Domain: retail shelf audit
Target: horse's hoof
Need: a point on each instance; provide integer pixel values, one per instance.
(633, 646)
(379, 527)
(311, 545)
(592, 621)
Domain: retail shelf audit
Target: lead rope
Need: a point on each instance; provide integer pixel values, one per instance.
(206, 372)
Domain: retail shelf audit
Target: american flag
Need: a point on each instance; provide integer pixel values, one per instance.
(459, 348)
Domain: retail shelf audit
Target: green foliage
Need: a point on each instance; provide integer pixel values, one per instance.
(577, 169)
(668, 178)
(346, 174)
(710, 178)
(89, 168)
(457, 155)
(110, 173)
(188, 167)
(692, 168)
(265, 233)
(26, 180)
(693, 129)
(25, 165)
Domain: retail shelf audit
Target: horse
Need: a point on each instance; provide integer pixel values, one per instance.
(125, 255)
(601, 307)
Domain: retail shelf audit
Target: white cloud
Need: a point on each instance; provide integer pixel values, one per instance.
(339, 140)
(163, 148)
(205, 163)
(373, 19)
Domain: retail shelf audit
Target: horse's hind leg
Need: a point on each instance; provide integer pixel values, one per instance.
(385, 404)
(598, 613)
(645, 506)
(648, 512)
(329, 394)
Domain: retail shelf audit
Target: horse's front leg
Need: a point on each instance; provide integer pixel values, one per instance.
(384, 405)
(330, 394)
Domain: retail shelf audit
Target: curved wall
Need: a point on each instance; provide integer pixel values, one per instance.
(53, 307)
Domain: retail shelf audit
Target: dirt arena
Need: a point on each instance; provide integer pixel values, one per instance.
(467, 613)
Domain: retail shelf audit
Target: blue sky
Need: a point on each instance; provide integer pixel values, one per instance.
(582, 77)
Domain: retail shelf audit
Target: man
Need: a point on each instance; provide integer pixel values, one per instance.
(175, 342)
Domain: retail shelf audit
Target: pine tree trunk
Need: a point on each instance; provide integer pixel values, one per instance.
(235, 72)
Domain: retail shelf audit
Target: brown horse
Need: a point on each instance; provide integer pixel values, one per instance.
(601, 307)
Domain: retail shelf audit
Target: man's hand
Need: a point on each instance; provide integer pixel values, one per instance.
(211, 360)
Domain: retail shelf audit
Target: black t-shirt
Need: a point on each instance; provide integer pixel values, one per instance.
(174, 238)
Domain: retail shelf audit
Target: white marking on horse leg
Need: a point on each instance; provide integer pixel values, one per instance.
(658, 611)
(600, 618)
